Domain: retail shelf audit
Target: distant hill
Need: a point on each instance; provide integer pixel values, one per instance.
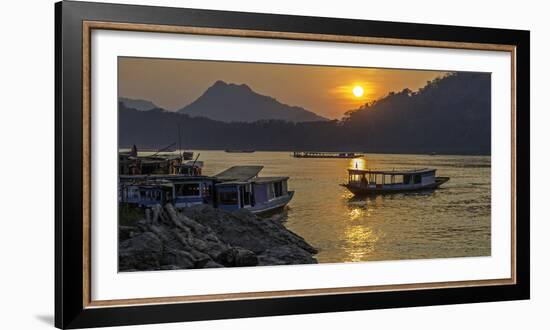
(239, 103)
(451, 115)
(141, 105)
(448, 112)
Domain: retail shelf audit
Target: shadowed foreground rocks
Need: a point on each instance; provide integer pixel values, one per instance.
(204, 237)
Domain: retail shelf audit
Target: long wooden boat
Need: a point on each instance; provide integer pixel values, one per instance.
(374, 181)
(314, 154)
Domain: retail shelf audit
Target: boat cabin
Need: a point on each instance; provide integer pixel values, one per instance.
(267, 189)
(190, 168)
(241, 187)
(258, 195)
(181, 190)
(189, 191)
(145, 194)
(232, 196)
(129, 164)
(393, 177)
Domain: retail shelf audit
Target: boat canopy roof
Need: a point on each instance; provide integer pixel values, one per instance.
(391, 172)
(149, 185)
(268, 179)
(171, 178)
(239, 173)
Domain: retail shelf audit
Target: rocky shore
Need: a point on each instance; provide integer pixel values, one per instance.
(205, 237)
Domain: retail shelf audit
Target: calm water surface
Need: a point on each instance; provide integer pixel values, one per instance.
(453, 221)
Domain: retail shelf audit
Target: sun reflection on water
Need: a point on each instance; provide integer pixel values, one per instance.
(356, 213)
(360, 241)
(360, 237)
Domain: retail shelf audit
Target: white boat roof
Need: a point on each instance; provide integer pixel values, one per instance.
(267, 179)
(166, 177)
(239, 173)
(392, 171)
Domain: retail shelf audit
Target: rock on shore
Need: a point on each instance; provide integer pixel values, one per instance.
(205, 237)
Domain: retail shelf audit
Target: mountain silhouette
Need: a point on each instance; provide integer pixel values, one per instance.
(449, 115)
(454, 110)
(141, 105)
(239, 103)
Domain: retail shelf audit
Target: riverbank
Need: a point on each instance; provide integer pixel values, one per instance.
(204, 237)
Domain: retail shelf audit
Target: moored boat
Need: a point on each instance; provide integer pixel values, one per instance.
(144, 193)
(375, 181)
(131, 163)
(240, 187)
(180, 190)
(315, 154)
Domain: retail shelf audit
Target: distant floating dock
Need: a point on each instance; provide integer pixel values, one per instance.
(312, 154)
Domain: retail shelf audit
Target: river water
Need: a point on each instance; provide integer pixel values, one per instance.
(453, 221)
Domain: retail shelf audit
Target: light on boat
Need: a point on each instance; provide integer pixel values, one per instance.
(358, 163)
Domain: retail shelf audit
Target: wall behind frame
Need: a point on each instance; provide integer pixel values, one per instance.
(27, 140)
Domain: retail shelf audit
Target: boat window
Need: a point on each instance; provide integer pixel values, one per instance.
(417, 178)
(189, 189)
(246, 195)
(278, 188)
(241, 192)
(270, 191)
(133, 194)
(228, 198)
(206, 190)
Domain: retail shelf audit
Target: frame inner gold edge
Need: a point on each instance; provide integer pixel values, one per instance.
(88, 26)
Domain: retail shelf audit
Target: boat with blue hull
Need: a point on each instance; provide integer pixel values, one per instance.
(180, 190)
(376, 181)
(144, 194)
(238, 187)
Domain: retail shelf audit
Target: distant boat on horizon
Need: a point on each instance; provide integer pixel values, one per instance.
(240, 150)
(312, 154)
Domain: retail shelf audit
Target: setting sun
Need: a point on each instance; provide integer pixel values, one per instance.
(358, 91)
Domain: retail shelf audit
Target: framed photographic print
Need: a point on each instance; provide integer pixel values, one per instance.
(218, 164)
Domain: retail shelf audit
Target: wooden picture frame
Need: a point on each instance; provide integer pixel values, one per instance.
(74, 307)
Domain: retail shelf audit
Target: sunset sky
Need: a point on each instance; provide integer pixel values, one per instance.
(326, 90)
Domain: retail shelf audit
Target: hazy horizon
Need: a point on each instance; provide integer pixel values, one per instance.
(325, 90)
